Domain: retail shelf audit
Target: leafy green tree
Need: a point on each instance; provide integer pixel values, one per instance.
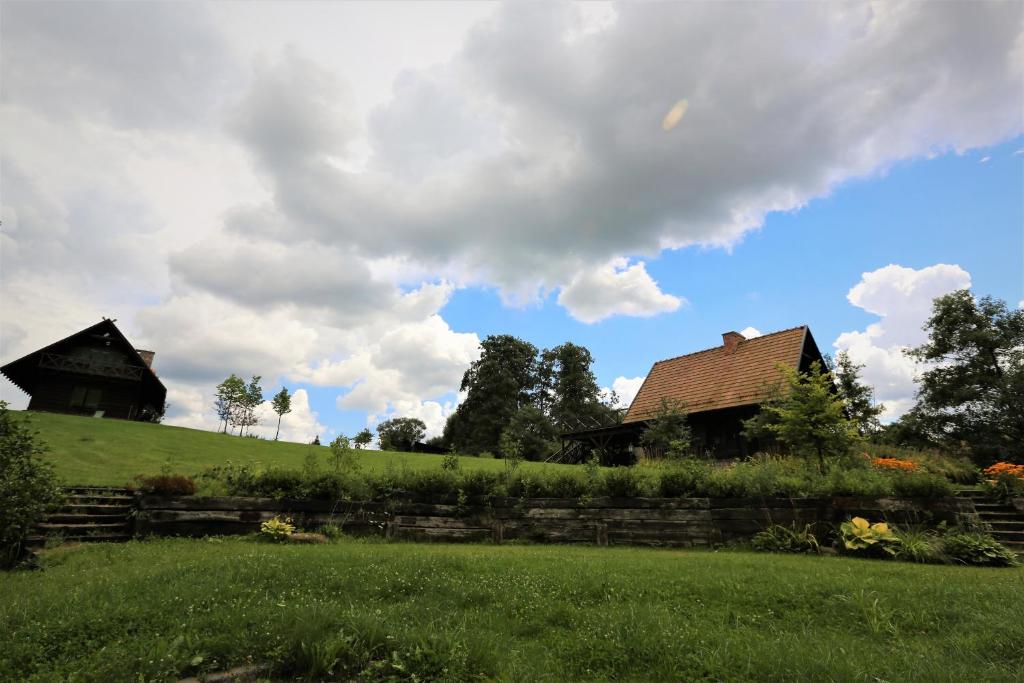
(342, 454)
(667, 432)
(245, 410)
(230, 395)
(400, 433)
(28, 486)
(858, 397)
(533, 432)
(972, 393)
(282, 404)
(363, 438)
(497, 385)
(809, 416)
(573, 398)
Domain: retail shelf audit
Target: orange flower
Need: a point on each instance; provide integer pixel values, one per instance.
(1001, 468)
(894, 464)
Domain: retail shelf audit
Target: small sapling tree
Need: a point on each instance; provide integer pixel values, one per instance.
(809, 417)
(858, 397)
(668, 431)
(342, 455)
(229, 397)
(282, 404)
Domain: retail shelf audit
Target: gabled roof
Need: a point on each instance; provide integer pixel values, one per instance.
(22, 372)
(721, 377)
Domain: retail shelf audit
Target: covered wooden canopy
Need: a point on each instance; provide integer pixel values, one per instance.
(95, 371)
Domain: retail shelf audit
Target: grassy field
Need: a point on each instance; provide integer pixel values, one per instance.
(87, 450)
(157, 610)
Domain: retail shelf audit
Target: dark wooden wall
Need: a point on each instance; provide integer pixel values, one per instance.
(119, 398)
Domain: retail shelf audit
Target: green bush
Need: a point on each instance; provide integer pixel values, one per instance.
(166, 485)
(28, 486)
(920, 485)
(972, 548)
(786, 539)
(682, 479)
(919, 545)
(622, 482)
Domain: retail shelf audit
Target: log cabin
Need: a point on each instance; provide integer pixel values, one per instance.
(718, 388)
(95, 371)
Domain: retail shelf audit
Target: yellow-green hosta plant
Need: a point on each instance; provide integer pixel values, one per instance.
(860, 537)
(277, 529)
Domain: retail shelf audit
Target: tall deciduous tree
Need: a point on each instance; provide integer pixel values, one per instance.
(809, 416)
(497, 385)
(282, 404)
(574, 397)
(400, 433)
(229, 397)
(858, 397)
(972, 393)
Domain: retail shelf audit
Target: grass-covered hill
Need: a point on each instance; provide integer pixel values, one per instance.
(90, 451)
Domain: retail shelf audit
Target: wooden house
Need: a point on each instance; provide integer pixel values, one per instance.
(96, 371)
(717, 387)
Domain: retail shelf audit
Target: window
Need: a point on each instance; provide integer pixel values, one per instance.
(85, 398)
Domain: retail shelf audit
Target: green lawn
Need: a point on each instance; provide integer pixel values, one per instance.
(157, 610)
(87, 450)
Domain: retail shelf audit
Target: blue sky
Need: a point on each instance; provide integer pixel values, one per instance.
(345, 198)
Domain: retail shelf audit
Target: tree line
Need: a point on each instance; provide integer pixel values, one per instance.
(235, 403)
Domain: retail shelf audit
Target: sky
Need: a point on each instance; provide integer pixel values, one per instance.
(345, 198)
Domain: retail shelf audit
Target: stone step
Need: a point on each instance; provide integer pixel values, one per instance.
(48, 527)
(62, 517)
(1006, 524)
(999, 509)
(99, 500)
(95, 489)
(1012, 536)
(90, 509)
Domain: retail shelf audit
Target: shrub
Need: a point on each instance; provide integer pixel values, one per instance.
(920, 485)
(972, 548)
(166, 485)
(622, 482)
(860, 537)
(567, 485)
(277, 529)
(28, 486)
(786, 539)
(862, 483)
(1006, 480)
(685, 478)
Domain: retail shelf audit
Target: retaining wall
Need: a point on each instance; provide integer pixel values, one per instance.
(681, 522)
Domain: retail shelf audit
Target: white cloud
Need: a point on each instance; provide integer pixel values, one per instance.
(984, 160)
(192, 407)
(615, 288)
(625, 388)
(750, 332)
(902, 297)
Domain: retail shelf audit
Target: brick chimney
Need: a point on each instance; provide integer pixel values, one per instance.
(731, 340)
(147, 356)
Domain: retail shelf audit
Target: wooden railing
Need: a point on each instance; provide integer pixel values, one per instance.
(56, 361)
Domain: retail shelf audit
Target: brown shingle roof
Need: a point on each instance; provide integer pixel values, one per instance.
(719, 378)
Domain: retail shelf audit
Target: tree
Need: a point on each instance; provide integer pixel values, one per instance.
(858, 397)
(533, 432)
(282, 404)
(573, 396)
(972, 394)
(230, 394)
(400, 433)
(245, 410)
(809, 416)
(28, 486)
(497, 385)
(363, 438)
(667, 432)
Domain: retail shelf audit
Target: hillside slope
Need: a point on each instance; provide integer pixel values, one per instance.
(92, 451)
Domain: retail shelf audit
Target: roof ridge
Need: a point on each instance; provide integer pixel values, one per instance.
(716, 348)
